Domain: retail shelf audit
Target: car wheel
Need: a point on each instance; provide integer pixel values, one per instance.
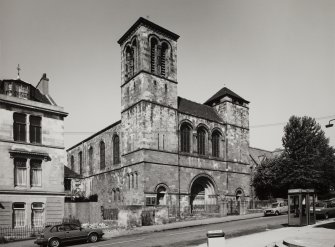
(54, 242)
(277, 213)
(93, 237)
(326, 216)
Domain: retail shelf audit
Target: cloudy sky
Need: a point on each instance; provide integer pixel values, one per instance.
(278, 54)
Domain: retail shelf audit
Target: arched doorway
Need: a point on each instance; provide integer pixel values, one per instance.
(203, 195)
(162, 194)
(239, 193)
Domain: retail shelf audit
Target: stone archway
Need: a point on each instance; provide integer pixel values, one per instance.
(202, 194)
(162, 194)
(239, 194)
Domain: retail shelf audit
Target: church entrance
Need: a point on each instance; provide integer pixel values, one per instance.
(203, 197)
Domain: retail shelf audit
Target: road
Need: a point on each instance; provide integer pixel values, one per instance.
(190, 236)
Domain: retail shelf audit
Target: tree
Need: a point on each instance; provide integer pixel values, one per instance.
(306, 162)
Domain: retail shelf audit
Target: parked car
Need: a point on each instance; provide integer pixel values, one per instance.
(277, 208)
(54, 236)
(325, 209)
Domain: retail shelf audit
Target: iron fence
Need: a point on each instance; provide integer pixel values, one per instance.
(18, 233)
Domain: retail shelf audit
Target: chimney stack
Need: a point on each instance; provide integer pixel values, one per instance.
(43, 85)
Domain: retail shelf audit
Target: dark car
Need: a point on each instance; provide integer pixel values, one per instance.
(54, 236)
(325, 209)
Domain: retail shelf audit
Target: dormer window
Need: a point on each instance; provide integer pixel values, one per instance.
(21, 91)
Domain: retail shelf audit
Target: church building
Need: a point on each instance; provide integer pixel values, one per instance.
(165, 150)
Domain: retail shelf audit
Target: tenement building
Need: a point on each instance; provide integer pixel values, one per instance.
(165, 150)
(32, 155)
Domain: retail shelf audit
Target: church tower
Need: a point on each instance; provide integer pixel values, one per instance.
(149, 102)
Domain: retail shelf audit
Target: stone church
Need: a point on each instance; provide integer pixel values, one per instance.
(165, 150)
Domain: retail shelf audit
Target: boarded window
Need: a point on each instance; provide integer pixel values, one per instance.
(35, 129)
(150, 200)
(19, 127)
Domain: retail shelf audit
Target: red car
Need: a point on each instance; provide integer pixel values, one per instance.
(54, 236)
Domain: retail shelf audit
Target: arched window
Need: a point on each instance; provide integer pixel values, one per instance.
(135, 56)
(216, 143)
(80, 156)
(116, 149)
(185, 137)
(201, 140)
(153, 54)
(129, 62)
(72, 162)
(164, 51)
(102, 155)
(90, 160)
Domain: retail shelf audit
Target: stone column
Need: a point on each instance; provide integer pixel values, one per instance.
(194, 143)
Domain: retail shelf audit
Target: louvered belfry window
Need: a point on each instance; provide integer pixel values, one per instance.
(201, 134)
(163, 59)
(216, 144)
(153, 55)
(185, 136)
(19, 127)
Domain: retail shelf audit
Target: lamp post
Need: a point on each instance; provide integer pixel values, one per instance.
(329, 124)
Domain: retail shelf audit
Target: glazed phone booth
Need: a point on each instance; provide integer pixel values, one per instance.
(301, 207)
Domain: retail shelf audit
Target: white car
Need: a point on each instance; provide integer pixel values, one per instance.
(277, 208)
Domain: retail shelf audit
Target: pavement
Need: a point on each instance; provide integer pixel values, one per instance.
(322, 234)
(319, 235)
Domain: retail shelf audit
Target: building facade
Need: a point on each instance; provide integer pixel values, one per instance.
(32, 155)
(165, 150)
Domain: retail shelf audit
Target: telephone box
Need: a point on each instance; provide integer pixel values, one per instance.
(301, 207)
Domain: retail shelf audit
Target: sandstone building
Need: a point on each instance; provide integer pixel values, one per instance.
(32, 155)
(165, 150)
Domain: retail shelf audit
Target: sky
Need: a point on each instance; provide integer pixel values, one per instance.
(277, 54)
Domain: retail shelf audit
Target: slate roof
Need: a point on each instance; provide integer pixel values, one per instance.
(68, 173)
(34, 93)
(198, 110)
(222, 93)
(145, 22)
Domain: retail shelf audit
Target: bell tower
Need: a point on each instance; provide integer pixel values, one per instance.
(148, 64)
(149, 87)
